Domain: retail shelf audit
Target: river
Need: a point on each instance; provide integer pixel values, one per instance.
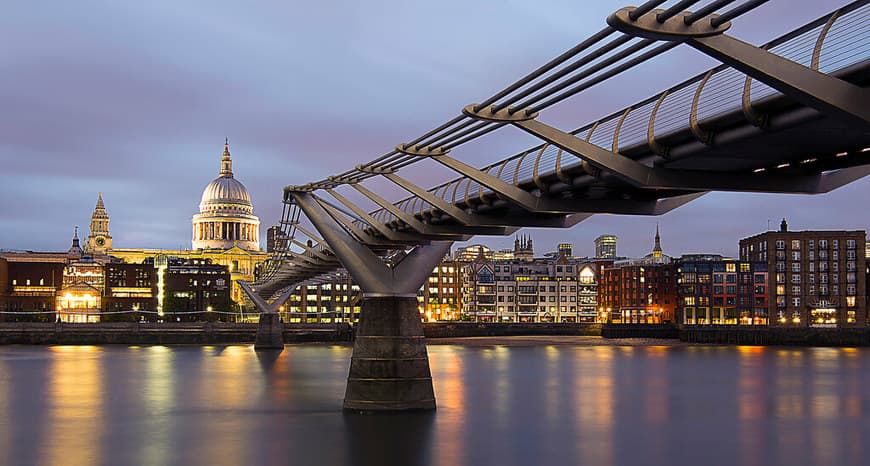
(499, 403)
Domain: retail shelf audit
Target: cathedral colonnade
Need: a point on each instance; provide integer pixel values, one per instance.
(206, 230)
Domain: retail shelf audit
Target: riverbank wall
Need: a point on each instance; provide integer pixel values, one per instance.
(774, 336)
(666, 331)
(136, 333)
(497, 329)
(133, 333)
(231, 333)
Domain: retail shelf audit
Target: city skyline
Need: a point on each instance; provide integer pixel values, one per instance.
(144, 123)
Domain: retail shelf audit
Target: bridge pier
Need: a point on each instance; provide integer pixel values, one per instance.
(389, 368)
(270, 332)
(270, 329)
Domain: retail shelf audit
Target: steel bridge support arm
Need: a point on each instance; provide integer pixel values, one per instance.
(374, 277)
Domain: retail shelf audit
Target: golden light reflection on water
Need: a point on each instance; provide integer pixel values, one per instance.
(447, 369)
(75, 406)
(501, 390)
(594, 401)
(750, 403)
(227, 387)
(657, 404)
(158, 398)
(552, 397)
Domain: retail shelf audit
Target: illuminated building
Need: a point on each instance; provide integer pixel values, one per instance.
(817, 278)
(440, 295)
(29, 282)
(80, 298)
(194, 289)
(718, 291)
(640, 291)
(241, 263)
(529, 290)
(129, 287)
(470, 253)
(336, 299)
(605, 247)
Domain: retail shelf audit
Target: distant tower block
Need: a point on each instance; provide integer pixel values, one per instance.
(605, 247)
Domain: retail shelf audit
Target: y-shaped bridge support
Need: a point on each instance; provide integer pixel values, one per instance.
(270, 330)
(389, 368)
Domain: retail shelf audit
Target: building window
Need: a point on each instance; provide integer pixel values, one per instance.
(850, 244)
(780, 244)
(795, 244)
(796, 301)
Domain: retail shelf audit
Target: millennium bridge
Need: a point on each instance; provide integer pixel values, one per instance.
(789, 116)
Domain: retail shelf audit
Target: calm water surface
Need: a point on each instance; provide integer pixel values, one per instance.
(499, 405)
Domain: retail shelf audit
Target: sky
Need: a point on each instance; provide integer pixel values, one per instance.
(134, 99)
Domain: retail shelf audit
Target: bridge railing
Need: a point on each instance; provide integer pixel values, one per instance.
(824, 44)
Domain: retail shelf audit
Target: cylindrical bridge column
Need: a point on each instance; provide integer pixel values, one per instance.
(389, 369)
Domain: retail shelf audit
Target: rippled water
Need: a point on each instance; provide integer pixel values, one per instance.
(499, 405)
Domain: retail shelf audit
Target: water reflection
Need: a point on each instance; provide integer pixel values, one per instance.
(76, 400)
(158, 399)
(594, 403)
(384, 439)
(600, 405)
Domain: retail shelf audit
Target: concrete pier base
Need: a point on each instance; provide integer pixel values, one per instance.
(270, 332)
(389, 369)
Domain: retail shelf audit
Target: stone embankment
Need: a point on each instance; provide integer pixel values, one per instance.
(231, 333)
(134, 333)
(741, 335)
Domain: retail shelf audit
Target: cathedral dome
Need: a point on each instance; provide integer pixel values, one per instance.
(224, 190)
(226, 215)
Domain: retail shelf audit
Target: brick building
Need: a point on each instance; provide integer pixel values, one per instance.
(818, 278)
(714, 290)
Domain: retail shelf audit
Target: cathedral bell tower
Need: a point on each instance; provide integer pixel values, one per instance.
(99, 241)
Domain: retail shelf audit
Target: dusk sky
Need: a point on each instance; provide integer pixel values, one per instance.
(134, 99)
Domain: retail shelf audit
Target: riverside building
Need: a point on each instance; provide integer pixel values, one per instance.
(818, 278)
(639, 291)
(714, 290)
(525, 289)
